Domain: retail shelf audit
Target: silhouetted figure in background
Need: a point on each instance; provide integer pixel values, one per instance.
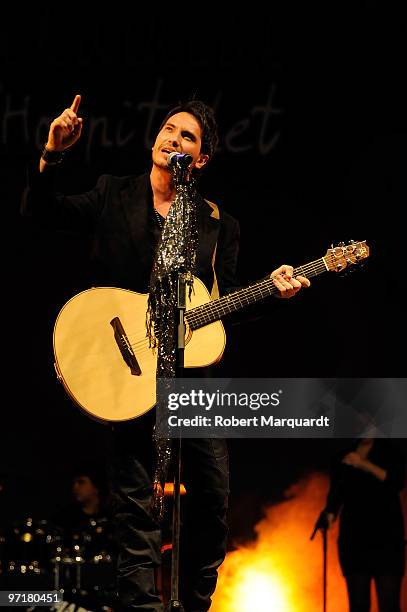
(365, 484)
(90, 500)
(87, 552)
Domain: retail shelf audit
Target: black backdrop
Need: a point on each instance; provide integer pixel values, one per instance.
(311, 104)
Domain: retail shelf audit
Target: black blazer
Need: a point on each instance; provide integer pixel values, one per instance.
(116, 214)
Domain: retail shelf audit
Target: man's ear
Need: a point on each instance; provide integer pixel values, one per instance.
(201, 161)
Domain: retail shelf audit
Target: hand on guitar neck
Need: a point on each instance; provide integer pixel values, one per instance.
(288, 285)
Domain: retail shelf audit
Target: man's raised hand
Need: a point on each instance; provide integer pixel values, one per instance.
(66, 129)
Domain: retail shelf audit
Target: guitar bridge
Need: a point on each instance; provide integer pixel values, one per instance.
(125, 348)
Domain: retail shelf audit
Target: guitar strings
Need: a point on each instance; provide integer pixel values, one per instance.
(253, 291)
(247, 294)
(233, 301)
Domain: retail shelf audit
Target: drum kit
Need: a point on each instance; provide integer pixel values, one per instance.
(37, 555)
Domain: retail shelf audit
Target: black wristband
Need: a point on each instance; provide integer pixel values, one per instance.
(52, 157)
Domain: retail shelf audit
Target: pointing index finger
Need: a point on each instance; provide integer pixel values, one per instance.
(75, 103)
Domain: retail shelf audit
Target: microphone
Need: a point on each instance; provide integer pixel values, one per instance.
(184, 159)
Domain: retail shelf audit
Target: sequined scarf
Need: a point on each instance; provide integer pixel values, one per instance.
(176, 252)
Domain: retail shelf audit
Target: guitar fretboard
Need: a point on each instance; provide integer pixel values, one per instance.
(237, 300)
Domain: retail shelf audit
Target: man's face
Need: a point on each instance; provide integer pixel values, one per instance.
(83, 489)
(181, 133)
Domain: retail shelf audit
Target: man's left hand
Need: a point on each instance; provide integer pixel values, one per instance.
(287, 285)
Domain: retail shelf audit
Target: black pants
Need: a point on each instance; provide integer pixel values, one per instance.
(387, 587)
(203, 530)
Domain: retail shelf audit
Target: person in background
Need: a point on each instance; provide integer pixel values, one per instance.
(365, 490)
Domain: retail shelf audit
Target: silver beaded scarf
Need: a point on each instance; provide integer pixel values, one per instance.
(176, 252)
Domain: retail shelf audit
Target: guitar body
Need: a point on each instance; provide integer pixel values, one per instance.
(91, 366)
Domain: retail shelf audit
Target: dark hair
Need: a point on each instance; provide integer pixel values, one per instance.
(94, 472)
(206, 118)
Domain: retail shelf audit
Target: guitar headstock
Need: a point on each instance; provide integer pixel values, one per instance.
(337, 258)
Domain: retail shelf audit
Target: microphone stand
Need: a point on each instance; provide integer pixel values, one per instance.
(175, 605)
(322, 524)
(335, 496)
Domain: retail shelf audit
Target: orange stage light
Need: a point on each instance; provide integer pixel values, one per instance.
(282, 570)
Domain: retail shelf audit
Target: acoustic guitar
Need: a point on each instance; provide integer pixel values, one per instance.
(101, 349)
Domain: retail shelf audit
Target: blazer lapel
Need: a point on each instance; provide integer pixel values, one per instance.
(208, 233)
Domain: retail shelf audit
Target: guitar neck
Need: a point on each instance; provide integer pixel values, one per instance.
(240, 299)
